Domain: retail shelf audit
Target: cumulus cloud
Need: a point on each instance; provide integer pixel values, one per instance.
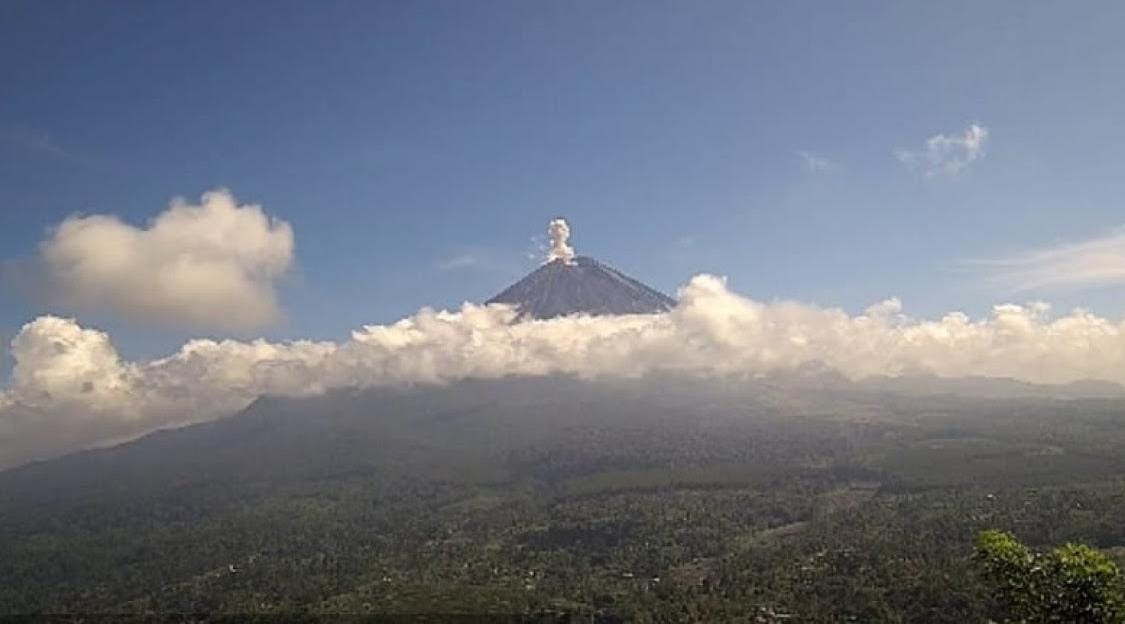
(211, 265)
(1098, 261)
(60, 363)
(70, 388)
(946, 155)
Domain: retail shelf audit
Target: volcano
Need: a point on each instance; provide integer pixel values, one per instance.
(567, 284)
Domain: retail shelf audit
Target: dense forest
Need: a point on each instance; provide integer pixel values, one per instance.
(660, 500)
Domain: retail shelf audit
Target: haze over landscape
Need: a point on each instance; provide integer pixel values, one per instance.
(740, 296)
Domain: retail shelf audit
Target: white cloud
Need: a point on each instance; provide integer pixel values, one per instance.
(1098, 261)
(60, 364)
(70, 389)
(946, 154)
(212, 265)
(815, 162)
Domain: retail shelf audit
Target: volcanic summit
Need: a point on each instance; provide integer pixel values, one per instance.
(569, 284)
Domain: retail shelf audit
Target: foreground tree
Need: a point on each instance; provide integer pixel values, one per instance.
(1071, 583)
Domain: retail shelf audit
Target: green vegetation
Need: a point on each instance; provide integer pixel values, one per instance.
(632, 503)
(1071, 583)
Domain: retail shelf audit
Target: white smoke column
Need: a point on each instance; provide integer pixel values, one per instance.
(557, 233)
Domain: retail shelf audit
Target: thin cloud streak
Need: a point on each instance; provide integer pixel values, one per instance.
(1098, 261)
(474, 260)
(42, 144)
(461, 262)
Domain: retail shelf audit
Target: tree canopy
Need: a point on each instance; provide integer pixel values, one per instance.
(1070, 583)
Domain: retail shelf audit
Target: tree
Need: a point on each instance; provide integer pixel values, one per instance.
(1071, 583)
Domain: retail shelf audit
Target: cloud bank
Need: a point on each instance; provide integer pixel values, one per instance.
(946, 155)
(213, 265)
(70, 388)
(1098, 261)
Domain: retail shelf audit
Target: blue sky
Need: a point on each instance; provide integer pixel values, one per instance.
(400, 138)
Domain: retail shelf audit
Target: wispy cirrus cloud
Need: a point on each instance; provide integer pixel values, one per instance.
(946, 155)
(814, 162)
(1097, 261)
(41, 143)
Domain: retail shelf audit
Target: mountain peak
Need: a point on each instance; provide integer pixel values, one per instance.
(581, 285)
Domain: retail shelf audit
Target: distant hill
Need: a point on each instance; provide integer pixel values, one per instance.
(994, 387)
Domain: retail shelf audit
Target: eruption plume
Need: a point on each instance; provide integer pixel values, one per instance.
(557, 233)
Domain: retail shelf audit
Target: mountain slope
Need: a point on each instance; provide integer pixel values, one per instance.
(539, 496)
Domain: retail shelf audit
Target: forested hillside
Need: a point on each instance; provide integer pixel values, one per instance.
(654, 500)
